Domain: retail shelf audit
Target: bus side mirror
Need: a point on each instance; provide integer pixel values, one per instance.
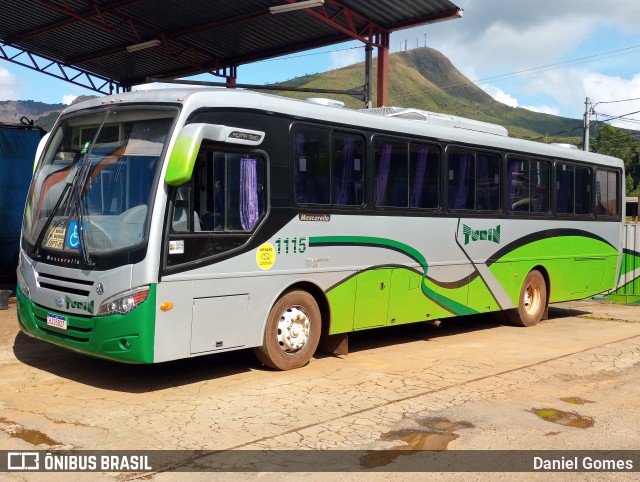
(185, 150)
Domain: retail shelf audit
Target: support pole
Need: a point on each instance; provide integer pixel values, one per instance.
(368, 75)
(587, 121)
(383, 76)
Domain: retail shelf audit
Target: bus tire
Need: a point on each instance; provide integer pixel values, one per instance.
(532, 303)
(292, 332)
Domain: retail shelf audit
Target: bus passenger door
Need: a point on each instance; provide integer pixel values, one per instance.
(372, 298)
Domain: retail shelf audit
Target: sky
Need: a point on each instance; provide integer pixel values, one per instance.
(546, 56)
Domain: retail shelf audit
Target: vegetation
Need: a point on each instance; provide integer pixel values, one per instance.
(11, 111)
(425, 79)
(621, 144)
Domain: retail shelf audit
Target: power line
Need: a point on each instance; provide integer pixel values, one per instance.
(556, 133)
(593, 123)
(308, 55)
(615, 101)
(618, 117)
(610, 117)
(580, 60)
(545, 68)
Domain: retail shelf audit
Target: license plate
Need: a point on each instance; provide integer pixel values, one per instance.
(57, 321)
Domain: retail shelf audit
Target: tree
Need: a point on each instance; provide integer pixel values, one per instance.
(621, 144)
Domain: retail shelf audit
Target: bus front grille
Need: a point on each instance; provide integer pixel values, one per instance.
(64, 285)
(79, 328)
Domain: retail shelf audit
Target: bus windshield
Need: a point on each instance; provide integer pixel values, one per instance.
(92, 191)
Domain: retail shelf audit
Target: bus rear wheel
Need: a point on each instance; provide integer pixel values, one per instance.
(533, 301)
(292, 332)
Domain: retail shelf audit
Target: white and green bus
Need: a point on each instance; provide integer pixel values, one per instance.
(174, 223)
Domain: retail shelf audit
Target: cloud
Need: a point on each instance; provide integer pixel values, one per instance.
(500, 95)
(497, 38)
(68, 99)
(543, 109)
(8, 85)
(508, 99)
(344, 58)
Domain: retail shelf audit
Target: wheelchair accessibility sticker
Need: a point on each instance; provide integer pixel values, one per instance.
(73, 237)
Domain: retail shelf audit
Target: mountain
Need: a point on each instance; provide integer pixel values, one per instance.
(425, 79)
(12, 111)
(40, 113)
(422, 78)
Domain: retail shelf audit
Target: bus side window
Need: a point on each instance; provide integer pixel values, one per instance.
(487, 182)
(347, 169)
(518, 194)
(565, 185)
(311, 164)
(461, 179)
(584, 202)
(540, 186)
(391, 183)
(424, 173)
(606, 193)
(181, 221)
(230, 192)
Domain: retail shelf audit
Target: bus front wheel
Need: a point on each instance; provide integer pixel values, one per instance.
(292, 332)
(532, 302)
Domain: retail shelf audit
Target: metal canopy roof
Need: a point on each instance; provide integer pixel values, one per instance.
(110, 45)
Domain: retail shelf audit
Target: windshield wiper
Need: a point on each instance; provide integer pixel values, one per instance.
(81, 244)
(47, 223)
(76, 191)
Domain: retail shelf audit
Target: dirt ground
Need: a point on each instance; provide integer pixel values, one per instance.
(570, 383)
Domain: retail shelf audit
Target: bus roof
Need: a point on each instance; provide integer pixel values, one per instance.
(464, 131)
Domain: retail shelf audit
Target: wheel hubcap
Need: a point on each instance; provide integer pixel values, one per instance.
(294, 329)
(532, 298)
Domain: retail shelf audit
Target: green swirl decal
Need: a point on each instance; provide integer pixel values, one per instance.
(449, 304)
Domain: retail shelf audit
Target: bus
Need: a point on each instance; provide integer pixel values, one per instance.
(174, 223)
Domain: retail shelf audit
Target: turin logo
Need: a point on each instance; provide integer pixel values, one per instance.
(491, 234)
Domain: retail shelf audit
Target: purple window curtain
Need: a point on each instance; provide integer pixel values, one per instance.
(418, 178)
(347, 171)
(383, 173)
(249, 212)
(462, 195)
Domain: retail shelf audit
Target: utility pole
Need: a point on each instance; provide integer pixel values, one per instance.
(587, 121)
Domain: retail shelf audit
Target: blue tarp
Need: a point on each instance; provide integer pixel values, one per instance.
(17, 150)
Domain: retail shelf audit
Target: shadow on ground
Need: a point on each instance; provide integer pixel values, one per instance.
(122, 377)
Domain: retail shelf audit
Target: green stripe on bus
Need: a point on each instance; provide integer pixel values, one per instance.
(447, 303)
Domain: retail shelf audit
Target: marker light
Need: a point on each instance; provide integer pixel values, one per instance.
(166, 305)
(123, 303)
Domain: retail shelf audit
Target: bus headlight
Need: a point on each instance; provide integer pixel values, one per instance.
(22, 284)
(123, 303)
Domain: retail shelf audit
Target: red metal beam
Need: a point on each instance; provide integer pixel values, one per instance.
(87, 13)
(383, 76)
(59, 70)
(343, 21)
(138, 32)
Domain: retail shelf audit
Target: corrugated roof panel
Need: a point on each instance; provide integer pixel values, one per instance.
(93, 35)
